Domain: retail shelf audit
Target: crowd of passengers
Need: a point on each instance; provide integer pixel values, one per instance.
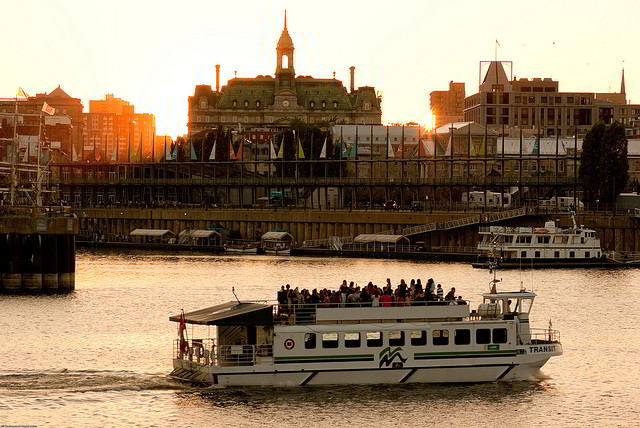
(351, 294)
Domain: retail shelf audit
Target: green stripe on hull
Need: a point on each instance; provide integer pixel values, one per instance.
(324, 357)
(435, 354)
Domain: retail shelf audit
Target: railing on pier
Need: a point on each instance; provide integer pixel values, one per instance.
(207, 352)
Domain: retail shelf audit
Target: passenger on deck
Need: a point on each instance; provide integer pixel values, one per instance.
(440, 292)
(282, 300)
(451, 295)
(460, 301)
(386, 299)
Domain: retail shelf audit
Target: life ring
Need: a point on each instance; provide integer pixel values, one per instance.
(289, 344)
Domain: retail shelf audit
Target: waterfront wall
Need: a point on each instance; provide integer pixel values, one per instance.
(37, 254)
(617, 232)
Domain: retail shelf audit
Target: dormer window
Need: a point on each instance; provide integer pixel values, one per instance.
(203, 103)
(324, 104)
(246, 103)
(234, 103)
(258, 104)
(335, 104)
(312, 104)
(366, 106)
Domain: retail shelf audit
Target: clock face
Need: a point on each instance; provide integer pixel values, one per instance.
(285, 103)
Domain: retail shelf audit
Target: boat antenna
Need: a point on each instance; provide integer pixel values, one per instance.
(233, 290)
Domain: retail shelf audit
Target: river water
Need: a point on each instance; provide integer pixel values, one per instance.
(100, 356)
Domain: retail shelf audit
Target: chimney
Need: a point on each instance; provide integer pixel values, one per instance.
(217, 77)
(353, 81)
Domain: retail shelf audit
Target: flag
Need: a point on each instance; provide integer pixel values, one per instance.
(240, 154)
(193, 153)
(272, 150)
(74, 154)
(174, 153)
(232, 153)
(299, 151)
(212, 156)
(48, 109)
(21, 93)
(389, 148)
(281, 150)
(423, 152)
(182, 332)
(323, 152)
(98, 156)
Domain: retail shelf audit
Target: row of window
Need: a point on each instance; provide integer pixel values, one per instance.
(375, 339)
(556, 254)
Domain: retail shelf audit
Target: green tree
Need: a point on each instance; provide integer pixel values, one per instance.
(604, 165)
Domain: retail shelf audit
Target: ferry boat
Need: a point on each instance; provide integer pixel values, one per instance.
(543, 246)
(241, 247)
(277, 243)
(262, 344)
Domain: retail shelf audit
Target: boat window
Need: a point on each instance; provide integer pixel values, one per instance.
(499, 335)
(440, 337)
(537, 254)
(396, 338)
(572, 254)
(374, 338)
(524, 239)
(587, 254)
(352, 340)
(556, 254)
(329, 340)
(543, 239)
(523, 254)
(418, 338)
(483, 336)
(310, 341)
(462, 337)
(560, 239)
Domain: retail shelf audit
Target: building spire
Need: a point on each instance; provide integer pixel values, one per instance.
(285, 20)
(622, 88)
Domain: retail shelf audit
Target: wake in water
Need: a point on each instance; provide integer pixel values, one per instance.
(85, 381)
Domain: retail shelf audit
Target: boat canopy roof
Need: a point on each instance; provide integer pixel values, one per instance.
(391, 239)
(230, 313)
(510, 295)
(277, 236)
(150, 232)
(199, 233)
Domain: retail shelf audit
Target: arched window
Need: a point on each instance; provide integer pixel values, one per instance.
(246, 103)
(258, 104)
(234, 103)
(324, 104)
(335, 104)
(285, 61)
(312, 104)
(203, 102)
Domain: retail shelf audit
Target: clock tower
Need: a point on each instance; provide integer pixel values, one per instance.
(285, 91)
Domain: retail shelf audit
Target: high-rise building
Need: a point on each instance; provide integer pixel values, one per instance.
(282, 98)
(448, 106)
(537, 106)
(113, 132)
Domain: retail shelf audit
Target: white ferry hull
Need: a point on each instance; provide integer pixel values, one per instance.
(278, 252)
(522, 365)
(241, 250)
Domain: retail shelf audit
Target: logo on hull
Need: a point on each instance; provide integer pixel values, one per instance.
(387, 356)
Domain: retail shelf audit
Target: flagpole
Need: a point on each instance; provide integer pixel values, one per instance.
(38, 177)
(165, 149)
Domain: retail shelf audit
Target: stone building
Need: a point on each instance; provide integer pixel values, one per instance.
(537, 106)
(279, 99)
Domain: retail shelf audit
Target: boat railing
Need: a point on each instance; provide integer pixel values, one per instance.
(305, 313)
(541, 335)
(207, 352)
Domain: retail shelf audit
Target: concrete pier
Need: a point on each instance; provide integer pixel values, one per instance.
(37, 250)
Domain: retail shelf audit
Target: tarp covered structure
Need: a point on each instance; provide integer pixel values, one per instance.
(199, 237)
(277, 236)
(230, 313)
(384, 239)
(152, 235)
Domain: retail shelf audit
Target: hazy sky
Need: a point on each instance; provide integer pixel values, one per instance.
(153, 53)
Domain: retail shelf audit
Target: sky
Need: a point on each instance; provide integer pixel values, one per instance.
(153, 53)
